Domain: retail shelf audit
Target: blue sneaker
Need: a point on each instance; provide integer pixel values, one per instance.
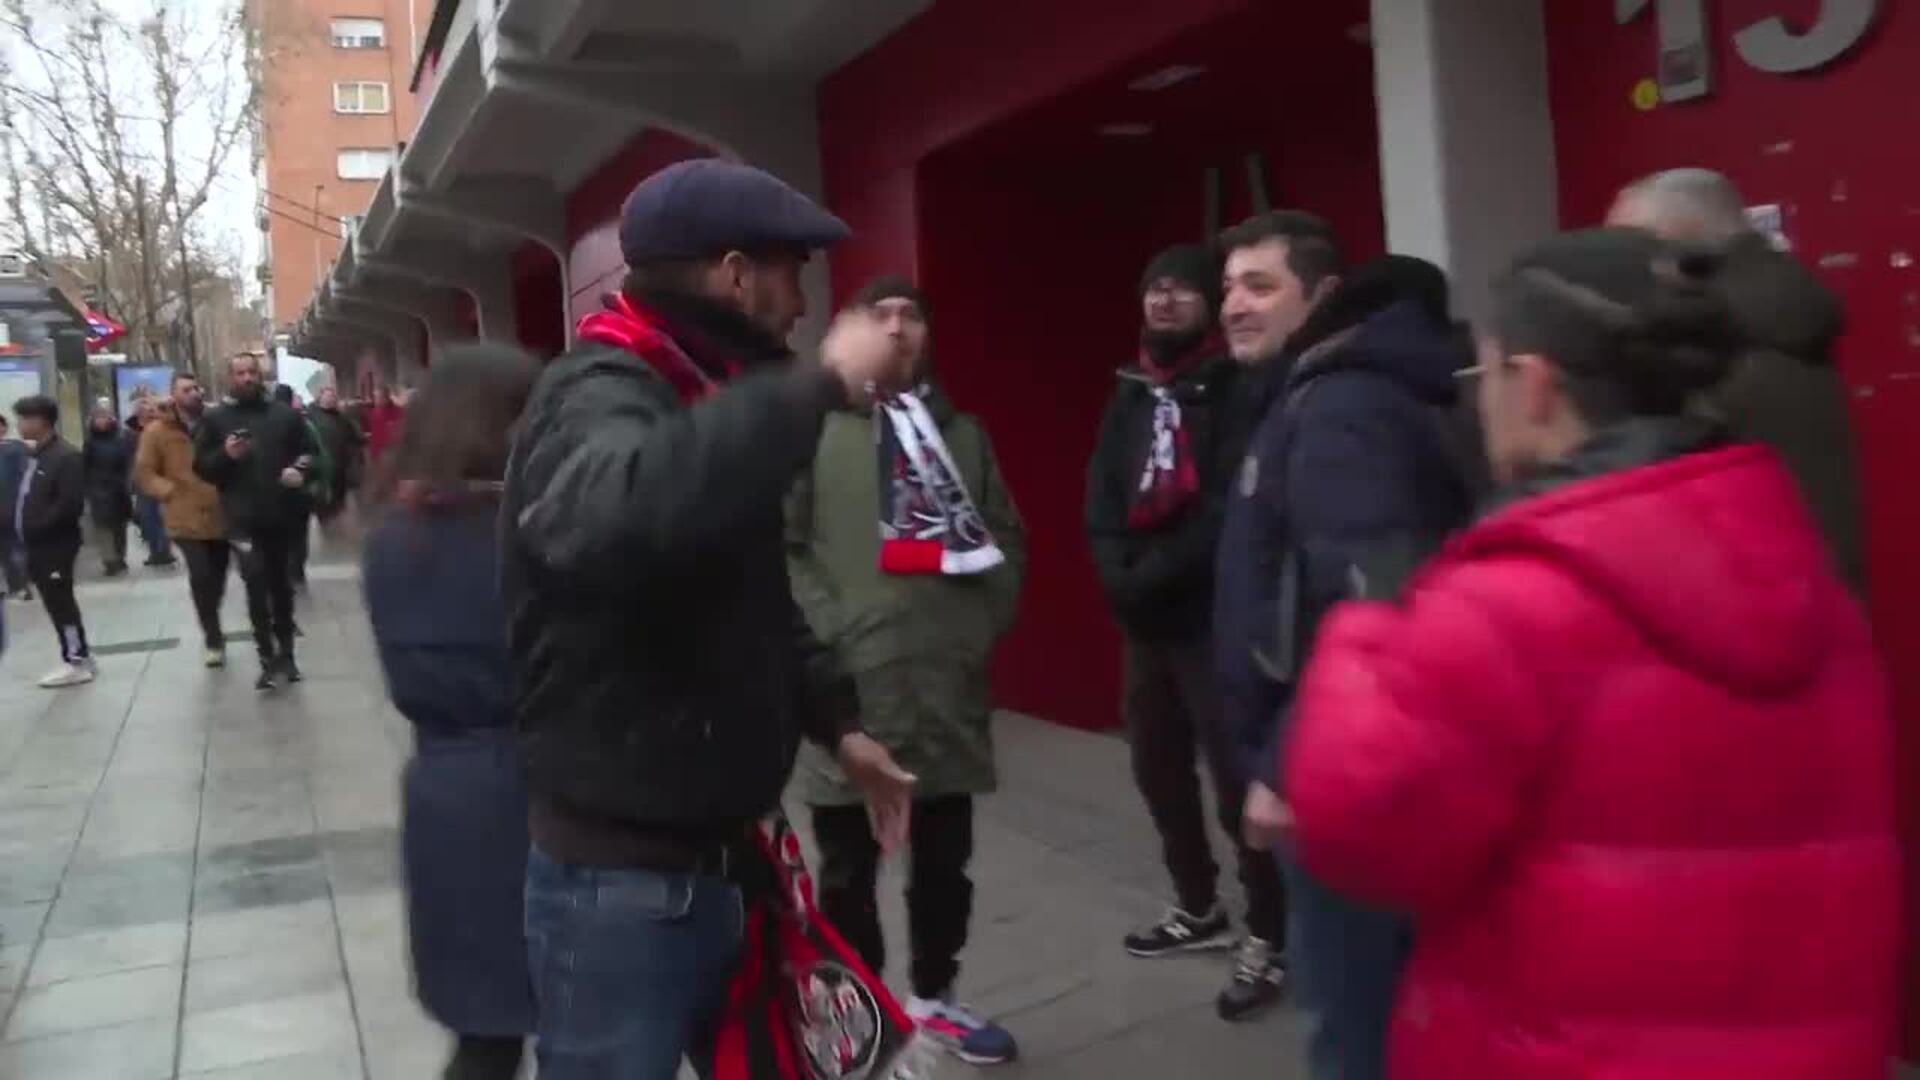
(963, 1033)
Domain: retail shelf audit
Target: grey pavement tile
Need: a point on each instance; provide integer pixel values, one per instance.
(119, 892)
(235, 932)
(86, 955)
(337, 1065)
(1193, 1042)
(13, 966)
(33, 876)
(295, 968)
(136, 1051)
(100, 1001)
(407, 1052)
(363, 860)
(22, 922)
(276, 887)
(266, 1030)
(253, 856)
(219, 828)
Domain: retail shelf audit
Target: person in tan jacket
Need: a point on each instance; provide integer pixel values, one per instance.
(163, 470)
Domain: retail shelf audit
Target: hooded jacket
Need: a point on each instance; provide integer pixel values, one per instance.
(51, 496)
(1348, 477)
(1788, 394)
(251, 494)
(1159, 581)
(108, 457)
(1624, 751)
(916, 645)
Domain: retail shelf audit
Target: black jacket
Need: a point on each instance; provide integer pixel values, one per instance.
(340, 439)
(666, 675)
(108, 461)
(251, 494)
(56, 495)
(1159, 581)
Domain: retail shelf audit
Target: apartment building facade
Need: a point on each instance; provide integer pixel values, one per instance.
(334, 113)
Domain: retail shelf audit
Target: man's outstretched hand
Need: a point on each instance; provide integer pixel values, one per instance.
(888, 787)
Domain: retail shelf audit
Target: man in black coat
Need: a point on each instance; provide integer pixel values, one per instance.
(257, 451)
(1156, 493)
(47, 507)
(665, 674)
(1353, 473)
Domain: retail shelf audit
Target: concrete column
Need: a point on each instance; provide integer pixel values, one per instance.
(492, 292)
(1466, 137)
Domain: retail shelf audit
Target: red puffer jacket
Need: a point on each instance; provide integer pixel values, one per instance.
(1624, 751)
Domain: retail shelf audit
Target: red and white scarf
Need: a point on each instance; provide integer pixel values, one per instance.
(1170, 476)
(928, 521)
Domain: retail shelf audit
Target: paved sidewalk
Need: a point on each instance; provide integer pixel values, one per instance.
(197, 882)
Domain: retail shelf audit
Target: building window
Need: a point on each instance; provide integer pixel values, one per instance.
(359, 34)
(360, 97)
(364, 163)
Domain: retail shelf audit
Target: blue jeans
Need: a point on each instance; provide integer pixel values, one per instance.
(152, 528)
(630, 968)
(1344, 962)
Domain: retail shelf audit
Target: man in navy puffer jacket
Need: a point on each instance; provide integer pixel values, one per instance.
(1354, 473)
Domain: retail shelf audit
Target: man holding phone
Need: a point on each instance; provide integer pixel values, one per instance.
(257, 451)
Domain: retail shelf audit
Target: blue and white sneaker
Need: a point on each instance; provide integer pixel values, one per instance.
(963, 1033)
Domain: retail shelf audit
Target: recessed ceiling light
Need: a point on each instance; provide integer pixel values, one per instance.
(1165, 77)
(1125, 131)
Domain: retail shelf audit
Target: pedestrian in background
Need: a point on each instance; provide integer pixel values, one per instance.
(15, 455)
(319, 482)
(910, 571)
(256, 452)
(339, 440)
(164, 473)
(1625, 745)
(47, 510)
(431, 583)
(108, 463)
(147, 515)
(1786, 390)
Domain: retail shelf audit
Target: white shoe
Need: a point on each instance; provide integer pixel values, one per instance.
(78, 673)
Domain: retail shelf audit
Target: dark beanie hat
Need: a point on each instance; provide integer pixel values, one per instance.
(893, 287)
(1198, 265)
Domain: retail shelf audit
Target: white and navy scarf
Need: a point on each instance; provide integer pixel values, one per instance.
(928, 522)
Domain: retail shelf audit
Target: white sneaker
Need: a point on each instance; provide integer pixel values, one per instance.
(78, 673)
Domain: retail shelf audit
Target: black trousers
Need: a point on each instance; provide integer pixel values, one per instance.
(1174, 713)
(207, 562)
(51, 567)
(297, 545)
(265, 559)
(939, 893)
(112, 537)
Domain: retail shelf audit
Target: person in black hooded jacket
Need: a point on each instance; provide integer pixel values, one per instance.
(1156, 491)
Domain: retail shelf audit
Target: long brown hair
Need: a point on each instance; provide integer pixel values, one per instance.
(455, 436)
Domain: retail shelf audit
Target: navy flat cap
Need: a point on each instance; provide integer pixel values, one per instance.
(709, 207)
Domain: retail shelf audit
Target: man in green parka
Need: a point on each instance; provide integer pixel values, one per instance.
(907, 554)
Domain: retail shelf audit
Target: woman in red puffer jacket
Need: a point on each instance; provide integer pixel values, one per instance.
(1623, 747)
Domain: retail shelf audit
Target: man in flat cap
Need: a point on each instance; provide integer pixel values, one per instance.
(666, 676)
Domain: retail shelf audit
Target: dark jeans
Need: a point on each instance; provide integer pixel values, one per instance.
(13, 561)
(1173, 713)
(630, 968)
(52, 571)
(297, 546)
(207, 562)
(482, 1057)
(153, 529)
(264, 559)
(939, 893)
(1345, 961)
(111, 535)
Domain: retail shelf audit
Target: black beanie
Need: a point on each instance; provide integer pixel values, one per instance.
(894, 287)
(1197, 265)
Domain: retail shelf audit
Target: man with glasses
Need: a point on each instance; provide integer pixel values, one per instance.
(1155, 494)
